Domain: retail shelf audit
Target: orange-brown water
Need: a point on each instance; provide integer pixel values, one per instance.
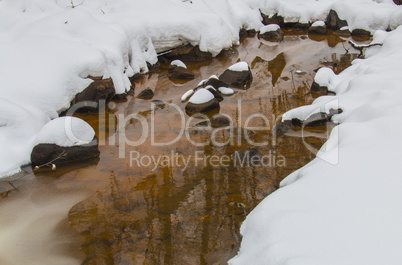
(129, 211)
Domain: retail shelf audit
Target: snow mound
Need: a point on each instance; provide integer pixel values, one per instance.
(318, 24)
(201, 96)
(178, 63)
(269, 28)
(239, 67)
(65, 131)
(18, 126)
(226, 91)
(324, 76)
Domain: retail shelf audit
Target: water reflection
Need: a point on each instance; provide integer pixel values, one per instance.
(170, 214)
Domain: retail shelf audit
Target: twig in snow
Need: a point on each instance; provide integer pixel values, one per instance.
(360, 47)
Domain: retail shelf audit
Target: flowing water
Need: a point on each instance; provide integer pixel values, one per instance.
(128, 207)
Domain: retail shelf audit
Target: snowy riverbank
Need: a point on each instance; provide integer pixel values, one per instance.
(343, 207)
(49, 48)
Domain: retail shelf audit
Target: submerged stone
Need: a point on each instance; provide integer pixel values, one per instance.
(146, 94)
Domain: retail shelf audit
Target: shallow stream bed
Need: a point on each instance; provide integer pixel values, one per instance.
(128, 207)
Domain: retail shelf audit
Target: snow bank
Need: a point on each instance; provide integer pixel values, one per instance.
(346, 212)
(370, 15)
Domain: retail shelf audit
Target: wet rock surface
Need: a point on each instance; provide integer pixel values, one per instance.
(360, 33)
(276, 35)
(178, 72)
(54, 154)
(236, 78)
(188, 53)
(319, 30)
(99, 89)
(210, 106)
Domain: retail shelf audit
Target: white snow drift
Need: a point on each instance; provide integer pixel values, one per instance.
(346, 212)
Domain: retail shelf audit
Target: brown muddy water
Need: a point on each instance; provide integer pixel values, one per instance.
(125, 209)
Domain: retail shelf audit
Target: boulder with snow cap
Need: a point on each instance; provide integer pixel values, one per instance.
(321, 80)
(237, 75)
(202, 101)
(271, 32)
(177, 69)
(318, 28)
(64, 140)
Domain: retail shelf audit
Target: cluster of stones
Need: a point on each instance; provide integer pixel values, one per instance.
(206, 96)
(273, 32)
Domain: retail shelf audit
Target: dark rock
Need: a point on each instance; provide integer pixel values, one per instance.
(188, 53)
(398, 2)
(216, 83)
(99, 89)
(276, 35)
(218, 121)
(334, 22)
(247, 33)
(44, 153)
(319, 30)
(275, 19)
(175, 71)
(316, 88)
(361, 33)
(146, 94)
(216, 94)
(236, 78)
(212, 105)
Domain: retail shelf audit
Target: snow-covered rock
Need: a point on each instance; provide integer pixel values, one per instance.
(201, 96)
(177, 69)
(64, 140)
(322, 80)
(271, 32)
(237, 75)
(65, 131)
(202, 101)
(318, 27)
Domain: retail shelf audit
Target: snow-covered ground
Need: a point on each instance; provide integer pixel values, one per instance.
(344, 206)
